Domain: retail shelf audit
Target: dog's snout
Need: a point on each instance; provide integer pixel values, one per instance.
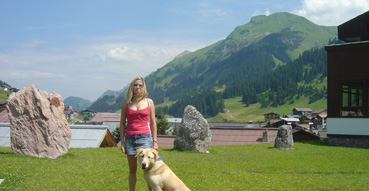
(143, 165)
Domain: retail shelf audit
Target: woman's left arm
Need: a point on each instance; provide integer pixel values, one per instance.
(153, 125)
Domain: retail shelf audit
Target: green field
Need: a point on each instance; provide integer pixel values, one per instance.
(237, 112)
(308, 166)
(4, 95)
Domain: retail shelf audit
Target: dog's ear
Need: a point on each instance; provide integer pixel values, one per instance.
(155, 153)
(138, 151)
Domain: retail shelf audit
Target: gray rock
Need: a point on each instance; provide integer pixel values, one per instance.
(284, 139)
(38, 126)
(265, 137)
(194, 133)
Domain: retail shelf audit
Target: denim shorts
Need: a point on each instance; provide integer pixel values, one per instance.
(134, 142)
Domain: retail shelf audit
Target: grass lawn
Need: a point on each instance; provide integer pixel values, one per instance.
(308, 166)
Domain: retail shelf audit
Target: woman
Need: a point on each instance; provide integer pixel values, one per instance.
(137, 109)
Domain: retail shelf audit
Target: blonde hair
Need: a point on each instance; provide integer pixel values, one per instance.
(143, 93)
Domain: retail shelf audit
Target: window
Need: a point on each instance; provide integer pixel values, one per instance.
(352, 96)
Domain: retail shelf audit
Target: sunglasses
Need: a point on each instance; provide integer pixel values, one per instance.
(138, 85)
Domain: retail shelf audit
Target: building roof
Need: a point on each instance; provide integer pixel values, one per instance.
(291, 119)
(4, 117)
(302, 109)
(101, 117)
(302, 135)
(174, 120)
(355, 29)
(83, 136)
(271, 113)
(91, 136)
(318, 111)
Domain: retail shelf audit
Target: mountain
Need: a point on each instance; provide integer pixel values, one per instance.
(77, 103)
(111, 93)
(184, 53)
(263, 46)
(260, 46)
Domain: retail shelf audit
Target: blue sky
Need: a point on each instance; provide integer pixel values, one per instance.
(85, 47)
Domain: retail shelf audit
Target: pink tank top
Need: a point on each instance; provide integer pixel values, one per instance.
(137, 121)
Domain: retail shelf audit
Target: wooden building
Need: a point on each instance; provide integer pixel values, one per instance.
(348, 85)
(271, 116)
(302, 111)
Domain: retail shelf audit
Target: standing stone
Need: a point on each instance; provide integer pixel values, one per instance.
(284, 137)
(194, 133)
(38, 126)
(265, 137)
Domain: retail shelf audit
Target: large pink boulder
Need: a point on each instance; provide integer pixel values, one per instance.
(38, 126)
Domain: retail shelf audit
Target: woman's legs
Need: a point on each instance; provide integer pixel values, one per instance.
(132, 162)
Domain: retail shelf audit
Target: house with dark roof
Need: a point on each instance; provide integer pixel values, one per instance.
(319, 111)
(271, 116)
(302, 111)
(348, 85)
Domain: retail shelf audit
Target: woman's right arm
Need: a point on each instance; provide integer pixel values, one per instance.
(122, 126)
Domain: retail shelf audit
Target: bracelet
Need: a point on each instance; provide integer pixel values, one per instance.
(155, 141)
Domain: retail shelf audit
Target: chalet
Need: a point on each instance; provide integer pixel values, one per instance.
(291, 121)
(87, 112)
(271, 116)
(302, 111)
(348, 85)
(320, 121)
(319, 111)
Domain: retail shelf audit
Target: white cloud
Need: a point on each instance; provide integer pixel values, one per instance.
(257, 12)
(332, 12)
(87, 70)
(125, 54)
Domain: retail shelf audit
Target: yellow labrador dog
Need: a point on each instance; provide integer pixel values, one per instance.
(156, 173)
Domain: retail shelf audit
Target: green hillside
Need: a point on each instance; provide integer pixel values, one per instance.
(238, 113)
(251, 50)
(263, 62)
(4, 95)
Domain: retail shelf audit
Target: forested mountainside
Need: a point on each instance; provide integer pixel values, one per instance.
(262, 47)
(285, 84)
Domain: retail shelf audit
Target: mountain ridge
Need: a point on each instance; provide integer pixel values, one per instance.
(185, 71)
(250, 50)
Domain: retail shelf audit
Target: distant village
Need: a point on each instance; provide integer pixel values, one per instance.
(92, 130)
(309, 124)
